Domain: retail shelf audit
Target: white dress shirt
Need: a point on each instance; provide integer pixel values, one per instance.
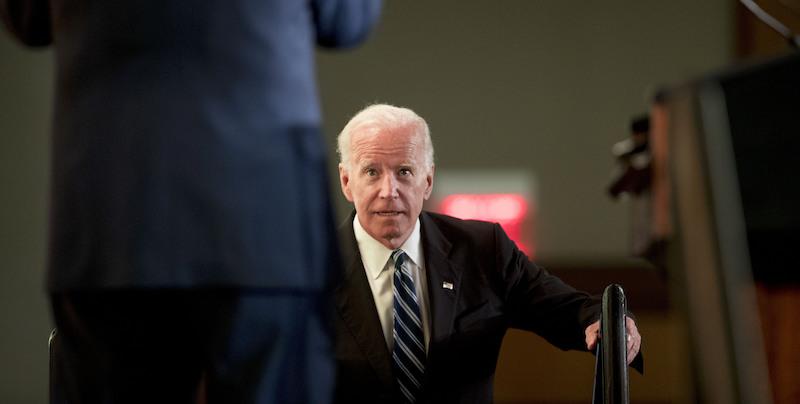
(379, 268)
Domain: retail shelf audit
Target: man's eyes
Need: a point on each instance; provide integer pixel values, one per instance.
(373, 172)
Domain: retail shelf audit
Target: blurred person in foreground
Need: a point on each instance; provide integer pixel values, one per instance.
(191, 233)
(462, 283)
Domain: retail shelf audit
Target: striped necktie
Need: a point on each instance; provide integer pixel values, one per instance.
(409, 343)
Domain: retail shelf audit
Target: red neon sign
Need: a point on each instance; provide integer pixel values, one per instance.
(509, 210)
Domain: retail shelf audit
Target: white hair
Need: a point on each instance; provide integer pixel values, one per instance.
(378, 117)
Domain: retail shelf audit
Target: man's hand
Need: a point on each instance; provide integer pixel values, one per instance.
(632, 336)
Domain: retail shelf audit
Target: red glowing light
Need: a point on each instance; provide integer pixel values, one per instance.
(508, 210)
(501, 208)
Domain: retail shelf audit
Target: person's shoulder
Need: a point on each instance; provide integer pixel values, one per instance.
(480, 240)
(450, 224)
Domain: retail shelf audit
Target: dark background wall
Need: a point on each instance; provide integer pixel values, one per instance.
(542, 87)
(25, 90)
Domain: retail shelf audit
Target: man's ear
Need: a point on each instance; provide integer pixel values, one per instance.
(429, 179)
(344, 180)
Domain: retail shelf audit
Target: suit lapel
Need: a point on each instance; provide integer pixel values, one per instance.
(361, 319)
(444, 282)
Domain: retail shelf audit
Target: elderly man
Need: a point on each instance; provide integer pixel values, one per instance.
(426, 298)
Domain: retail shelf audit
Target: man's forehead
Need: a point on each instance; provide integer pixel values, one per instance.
(366, 147)
(394, 134)
(367, 163)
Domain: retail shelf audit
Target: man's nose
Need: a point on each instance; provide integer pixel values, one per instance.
(388, 187)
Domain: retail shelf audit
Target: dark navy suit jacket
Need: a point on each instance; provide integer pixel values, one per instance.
(494, 287)
(186, 148)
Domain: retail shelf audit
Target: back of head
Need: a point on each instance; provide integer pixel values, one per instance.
(379, 117)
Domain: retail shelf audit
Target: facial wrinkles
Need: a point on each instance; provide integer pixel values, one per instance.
(390, 196)
(387, 150)
(388, 187)
(382, 148)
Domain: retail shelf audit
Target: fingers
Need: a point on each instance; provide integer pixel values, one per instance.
(592, 335)
(634, 340)
(632, 337)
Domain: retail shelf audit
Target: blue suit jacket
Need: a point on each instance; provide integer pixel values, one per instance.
(495, 287)
(186, 147)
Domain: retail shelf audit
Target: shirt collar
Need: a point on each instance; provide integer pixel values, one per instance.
(375, 255)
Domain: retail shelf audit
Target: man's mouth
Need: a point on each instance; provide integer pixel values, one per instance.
(389, 213)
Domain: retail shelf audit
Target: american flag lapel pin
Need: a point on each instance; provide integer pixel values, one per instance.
(447, 285)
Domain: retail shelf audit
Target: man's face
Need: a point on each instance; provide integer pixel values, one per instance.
(388, 183)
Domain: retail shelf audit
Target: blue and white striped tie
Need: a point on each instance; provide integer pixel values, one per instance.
(409, 343)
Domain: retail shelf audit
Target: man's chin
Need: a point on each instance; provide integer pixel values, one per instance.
(389, 234)
(392, 235)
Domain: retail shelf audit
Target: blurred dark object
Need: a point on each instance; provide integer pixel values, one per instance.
(633, 181)
(744, 120)
(633, 159)
(725, 206)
